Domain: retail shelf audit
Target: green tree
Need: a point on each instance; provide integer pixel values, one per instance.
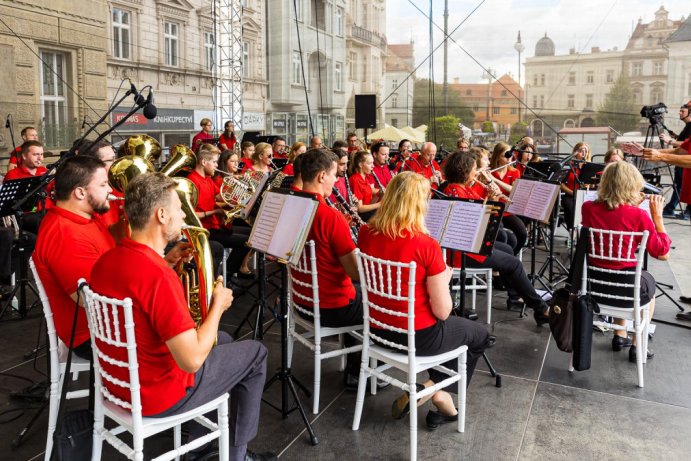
(518, 130)
(447, 132)
(619, 109)
(422, 104)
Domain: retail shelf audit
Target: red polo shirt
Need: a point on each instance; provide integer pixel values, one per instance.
(160, 313)
(340, 185)
(14, 156)
(279, 154)
(426, 171)
(332, 240)
(426, 253)
(201, 138)
(509, 178)
(289, 170)
(383, 174)
(21, 172)
(67, 247)
(208, 190)
(361, 188)
(228, 141)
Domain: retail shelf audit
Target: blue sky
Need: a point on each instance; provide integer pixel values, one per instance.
(490, 32)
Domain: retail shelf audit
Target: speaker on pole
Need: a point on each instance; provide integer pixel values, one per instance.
(365, 111)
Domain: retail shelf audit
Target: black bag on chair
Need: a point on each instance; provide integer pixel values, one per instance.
(561, 318)
(73, 436)
(583, 331)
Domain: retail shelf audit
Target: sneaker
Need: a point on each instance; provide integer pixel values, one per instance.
(435, 419)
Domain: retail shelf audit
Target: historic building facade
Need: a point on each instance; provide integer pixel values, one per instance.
(496, 101)
(399, 84)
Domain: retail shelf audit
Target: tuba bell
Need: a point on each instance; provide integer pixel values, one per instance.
(137, 155)
(181, 158)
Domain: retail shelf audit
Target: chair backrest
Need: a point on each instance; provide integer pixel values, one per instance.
(108, 319)
(305, 269)
(608, 246)
(386, 280)
(53, 340)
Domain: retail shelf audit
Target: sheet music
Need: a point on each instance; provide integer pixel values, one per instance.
(582, 196)
(520, 196)
(437, 213)
(250, 203)
(533, 199)
(466, 227)
(263, 229)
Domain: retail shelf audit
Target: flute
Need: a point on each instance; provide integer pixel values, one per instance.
(500, 167)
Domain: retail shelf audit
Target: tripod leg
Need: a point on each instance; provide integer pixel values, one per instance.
(18, 440)
(492, 370)
(313, 438)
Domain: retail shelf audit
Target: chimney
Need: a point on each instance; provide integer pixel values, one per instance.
(595, 49)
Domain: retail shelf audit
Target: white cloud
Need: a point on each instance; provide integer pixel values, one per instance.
(489, 34)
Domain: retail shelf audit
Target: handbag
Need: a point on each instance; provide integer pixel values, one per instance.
(73, 436)
(561, 318)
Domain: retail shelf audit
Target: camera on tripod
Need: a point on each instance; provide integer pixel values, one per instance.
(655, 112)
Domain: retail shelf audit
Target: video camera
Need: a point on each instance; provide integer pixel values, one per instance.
(655, 112)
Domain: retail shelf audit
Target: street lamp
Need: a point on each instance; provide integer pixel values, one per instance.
(518, 46)
(489, 74)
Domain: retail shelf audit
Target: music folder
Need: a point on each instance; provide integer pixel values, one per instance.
(466, 225)
(283, 222)
(533, 199)
(585, 195)
(250, 210)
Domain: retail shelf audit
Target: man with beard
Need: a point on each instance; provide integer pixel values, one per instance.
(341, 172)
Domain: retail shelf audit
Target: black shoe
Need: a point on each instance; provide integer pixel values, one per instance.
(632, 354)
(267, 456)
(685, 299)
(618, 343)
(351, 382)
(435, 419)
(401, 406)
(498, 284)
(540, 314)
(684, 316)
(514, 304)
(209, 452)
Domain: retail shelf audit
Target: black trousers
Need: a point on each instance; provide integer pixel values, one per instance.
(235, 239)
(568, 202)
(445, 336)
(506, 236)
(674, 199)
(512, 273)
(516, 225)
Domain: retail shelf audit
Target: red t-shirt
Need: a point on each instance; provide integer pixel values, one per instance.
(383, 174)
(279, 155)
(14, 157)
(624, 218)
(332, 240)
(289, 169)
(21, 172)
(426, 171)
(160, 313)
(208, 190)
(228, 141)
(426, 253)
(509, 178)
(201, 138)
(685, 194)
(340, 185)
(361, 188)
(246, 163)
(67, 247)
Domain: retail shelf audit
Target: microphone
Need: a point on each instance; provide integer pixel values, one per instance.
(84, 122)
(138, 98)
(7, 121)
(150, 109)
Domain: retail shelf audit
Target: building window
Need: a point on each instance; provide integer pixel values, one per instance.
(542, 102)
(572, 78)
(636, 69)
(610, 76)
(534, 101)
(171, 35)
(375, 68)
(394, 84)
(542, 79)
(655, 95)
(514, 111)
(590, 78)
(246, 59)
(658, 68)
(296, 77)
(394, 101)
(476, 107)
(637, 95)
(338, 76)
(352, 65)
(589, 101)
(468, 92)
(53, 97)
(394, 122)
(503, 92)
(338, 22)
(496, 110)
(570, 101)
(535, 80)
(209, 60)
(121, 33)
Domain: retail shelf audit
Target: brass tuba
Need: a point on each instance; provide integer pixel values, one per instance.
(137, 155)
(181, 158)
(197, 280)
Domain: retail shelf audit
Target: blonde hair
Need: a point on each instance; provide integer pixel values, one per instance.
(258, 149)
(204, 121)
(292, 155)
(359, 157)
(621, 184)
(207, 152)
(403, 207)
(586, 157)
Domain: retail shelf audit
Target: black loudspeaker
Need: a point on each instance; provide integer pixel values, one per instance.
(365, 111)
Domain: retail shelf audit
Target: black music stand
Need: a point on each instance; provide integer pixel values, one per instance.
(280, 162)
(11, 194)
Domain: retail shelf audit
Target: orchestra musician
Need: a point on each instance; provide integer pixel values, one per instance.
(353, 143)
(614, 155)
(279, 147)
(616, 208)
(525, 153)
(460, 171)
(397, 232)
(261, 158)
(579, 154)
(204, 136)
(405, 150)
(296, 149)
(381, 174)
(247, 151)
(341, 175)
(368, 197)
(463, 144)
(425, 164)
(104, 151)
(506, 175)
(228, 165)
(316, 142)
(227, 140)
(31, 165)
(28, 133)
(339, 145)
(179, 367)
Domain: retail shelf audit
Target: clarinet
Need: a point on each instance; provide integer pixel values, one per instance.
(354, 228)
(379, 184)
(351, 199)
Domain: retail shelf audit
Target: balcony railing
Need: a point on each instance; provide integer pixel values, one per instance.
(367, 36)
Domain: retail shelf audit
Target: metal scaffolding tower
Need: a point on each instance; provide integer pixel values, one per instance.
(227, 68)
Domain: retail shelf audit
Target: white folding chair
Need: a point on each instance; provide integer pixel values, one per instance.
(387, 280)
(111, 323)
(476, 279)
(58, 358)
(314, 332)
(618, 246)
